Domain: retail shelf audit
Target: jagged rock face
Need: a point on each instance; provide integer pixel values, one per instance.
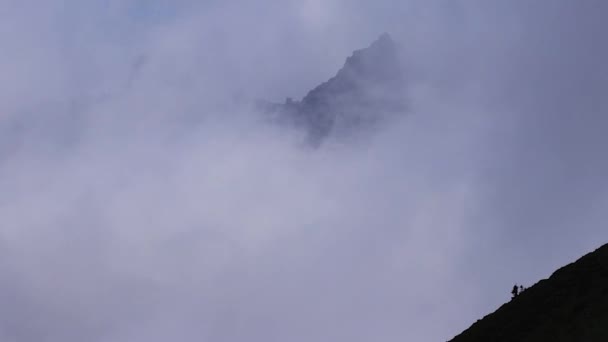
(369, 87)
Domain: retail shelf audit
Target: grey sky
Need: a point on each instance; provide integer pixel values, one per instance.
(141, 200)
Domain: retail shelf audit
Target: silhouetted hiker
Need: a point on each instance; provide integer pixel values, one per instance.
(521, 288)
(515, 291)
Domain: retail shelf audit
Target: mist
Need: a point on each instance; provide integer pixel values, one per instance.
(142, 198)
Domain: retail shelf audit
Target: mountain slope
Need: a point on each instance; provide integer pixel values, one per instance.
(572, 305)
(366, 89)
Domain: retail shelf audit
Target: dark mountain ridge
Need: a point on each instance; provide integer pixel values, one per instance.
(571, 305)
(369, 86)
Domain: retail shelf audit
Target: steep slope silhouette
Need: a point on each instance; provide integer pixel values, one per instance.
(572, 306)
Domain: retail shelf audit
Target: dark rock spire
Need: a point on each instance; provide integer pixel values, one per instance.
(369, 85)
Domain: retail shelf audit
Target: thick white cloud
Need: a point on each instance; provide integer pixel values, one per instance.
(141, 199)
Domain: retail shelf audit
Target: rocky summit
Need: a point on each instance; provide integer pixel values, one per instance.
(365, 91)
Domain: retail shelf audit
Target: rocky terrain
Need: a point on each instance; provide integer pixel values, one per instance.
(572, 306)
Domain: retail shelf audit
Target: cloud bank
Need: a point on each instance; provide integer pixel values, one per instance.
(142, 200)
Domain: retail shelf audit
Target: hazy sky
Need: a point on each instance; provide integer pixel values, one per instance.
(142, 200)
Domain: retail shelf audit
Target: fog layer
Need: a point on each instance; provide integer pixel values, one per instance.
(142, 199)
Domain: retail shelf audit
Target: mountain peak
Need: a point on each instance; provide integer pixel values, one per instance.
(369, 85)
(379, 62)
(383, 42)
